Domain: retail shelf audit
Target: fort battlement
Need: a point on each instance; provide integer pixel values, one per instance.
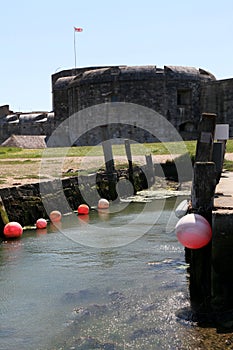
(180, 94)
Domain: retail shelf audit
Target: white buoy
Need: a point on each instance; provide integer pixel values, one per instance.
(182, 209)
(55, 216)
(103, 203)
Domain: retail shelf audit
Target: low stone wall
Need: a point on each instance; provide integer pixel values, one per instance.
(25, 204)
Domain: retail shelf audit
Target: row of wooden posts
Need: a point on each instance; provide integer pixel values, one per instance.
(111, 171)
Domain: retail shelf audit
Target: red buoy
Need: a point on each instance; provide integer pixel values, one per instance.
(55, 216)
(13, 230)
(193, 231)
(83, 209)
(41, 223)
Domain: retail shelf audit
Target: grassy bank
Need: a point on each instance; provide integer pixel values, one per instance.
(19, 166)
(13, 153)
(137, 149)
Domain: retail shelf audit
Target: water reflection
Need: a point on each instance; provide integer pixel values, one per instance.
(83, 219)
(41, 231)
(103, 214)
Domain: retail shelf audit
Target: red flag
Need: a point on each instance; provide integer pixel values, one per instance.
(78, 29)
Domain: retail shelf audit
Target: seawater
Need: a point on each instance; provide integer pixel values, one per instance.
(60, 291)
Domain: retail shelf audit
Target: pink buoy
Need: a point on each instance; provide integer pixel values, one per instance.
(13, 230)
(193, 231)
(41, 223)
(55, 216)
(83, 209)
(103, 203)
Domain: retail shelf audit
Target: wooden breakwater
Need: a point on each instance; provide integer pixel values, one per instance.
(211, 267)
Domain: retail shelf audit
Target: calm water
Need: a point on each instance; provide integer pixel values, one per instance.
(63, 293)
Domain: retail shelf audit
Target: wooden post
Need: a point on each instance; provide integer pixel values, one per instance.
(110, 168)
(222, 262)
(130, 163)
(3, 212)
(218, 158)
(150, 170)
(202, 196)
(205, 141)
(108, 157)
(203, 189)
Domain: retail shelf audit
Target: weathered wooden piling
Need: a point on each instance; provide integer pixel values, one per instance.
(222, 261)
(110, 169)
(200, 259)
(150, 172)
(218, 158)
(203, 189)
(130, 163)
(205, 140)
(3, 212)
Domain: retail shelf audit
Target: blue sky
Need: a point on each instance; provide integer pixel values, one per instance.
(37, 39)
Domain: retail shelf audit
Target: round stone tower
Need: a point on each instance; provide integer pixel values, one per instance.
(172, 91)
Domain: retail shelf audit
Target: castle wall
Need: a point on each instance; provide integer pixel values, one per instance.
(217, 97)
(174, 92)
(12, 124)
(179, 94)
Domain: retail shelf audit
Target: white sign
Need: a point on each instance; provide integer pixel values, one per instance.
(221, 132)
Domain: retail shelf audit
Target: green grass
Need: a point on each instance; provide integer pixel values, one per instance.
(228, 165)
(16, 162)
(136, 149)
(229, 148)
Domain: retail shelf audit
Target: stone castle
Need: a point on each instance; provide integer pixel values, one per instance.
(180, 94)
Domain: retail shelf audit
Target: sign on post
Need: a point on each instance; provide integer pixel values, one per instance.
(221, 132)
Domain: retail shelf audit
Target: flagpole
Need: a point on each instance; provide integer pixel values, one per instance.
(74, 50)
(76, 29)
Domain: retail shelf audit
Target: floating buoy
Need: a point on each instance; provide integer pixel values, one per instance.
(41, 223)
(55, 216)
(193, 231)
(103, 203)
(83, 209)
(13, 230)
